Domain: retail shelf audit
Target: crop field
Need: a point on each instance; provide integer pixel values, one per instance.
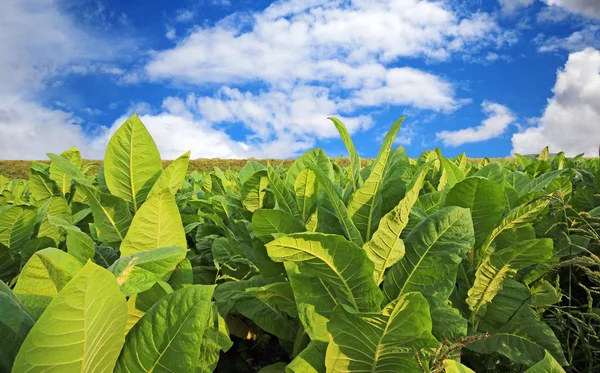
(313, 265)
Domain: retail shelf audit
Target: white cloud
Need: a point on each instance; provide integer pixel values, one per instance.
(509, 6)
(315, 59)
(571, 121)
(38, 43)
(171, 33)
(185, 15)
(497, 122)
(29, 131)
(321, 40)
(587, 8)
(589, 36)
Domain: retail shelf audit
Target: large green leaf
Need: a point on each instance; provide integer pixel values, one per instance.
(250, 169)
(451, 174)
(68, 169)
(172, 177)
(339, 263)
(43, 277)
(386, 247)
(365, 207)
(524, 340)
(514, 219)
(384, 342)
(278, 295)
(82, 330)
(156, 224)
(310, 360)
(484, 198)
(547, 365)
(317, 158)
(263, 313)
(306, 190)
(503, 264)
(453, 366)
(493, 172)
(111, 215)
(169, 336)
(16, 225)
(59, 207)
(15, 324)
(132, 162)
(40, 185)
(355, 165)
(140, 271)
(283, 196)
(331, 204)
(254, 190)
(315, 300)
(434, 248)
(58, 176)
(271, 224)
(215, 339)
(79, 244)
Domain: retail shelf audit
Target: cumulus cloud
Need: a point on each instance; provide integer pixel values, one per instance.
(587, 8)
(315, 59)
(498, 119)
(571, 120)
(37, 43)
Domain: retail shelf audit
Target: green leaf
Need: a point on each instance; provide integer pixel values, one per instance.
(156, 224)
(15, 324)
(63, 181)
(355, 165)
(82, 330)
(215, 339)
(315, 157)
(547, 365)
(269, 318)
(380, 342)
(43, 277)
(276, 294)
(169, 336)
(493, 172)
(310, 360)
(333, 204)
(250, 169)
(40, 186)
(79, 244)
(132, 162)
(283, 196)
(524, 340)
(315, 300)
(111, 215)
(172, 177)
(386, 248)
(339, 263)
(68, 169)
(271, 224)
(254, 191)
(448, 323)
(514, 219)
(59, 207)
(365, 208)
(182, 276)
(434, 248)
(306, 190)
(16, 225)
(486, 201)
(140, 271)
(451, 174)
(503, 264)
(453, 366)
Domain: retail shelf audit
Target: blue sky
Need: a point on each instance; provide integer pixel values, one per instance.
(238, 79)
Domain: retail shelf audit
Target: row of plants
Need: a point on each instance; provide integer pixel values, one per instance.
(402, 265)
